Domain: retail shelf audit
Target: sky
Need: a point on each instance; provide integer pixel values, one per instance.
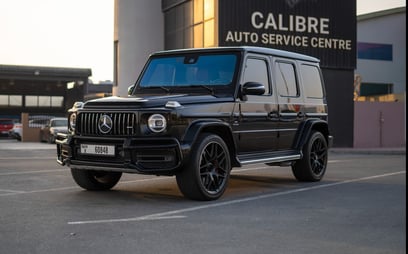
(78, 33)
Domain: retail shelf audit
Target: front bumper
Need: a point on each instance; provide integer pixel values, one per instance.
(158, 156)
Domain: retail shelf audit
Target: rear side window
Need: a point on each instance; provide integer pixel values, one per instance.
(286, 79)
(312, 82)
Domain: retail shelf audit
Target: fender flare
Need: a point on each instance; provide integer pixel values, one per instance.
(305, 130)
(215, 126)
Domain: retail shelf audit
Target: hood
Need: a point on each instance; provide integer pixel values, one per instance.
(150, 101)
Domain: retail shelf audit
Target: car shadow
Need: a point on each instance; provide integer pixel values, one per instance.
(166, 190)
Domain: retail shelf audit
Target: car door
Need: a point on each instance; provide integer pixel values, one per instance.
(291, 103)
(257, 120)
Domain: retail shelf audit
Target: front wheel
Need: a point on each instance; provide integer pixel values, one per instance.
(312, 166)
(95, 180)
(206, 173)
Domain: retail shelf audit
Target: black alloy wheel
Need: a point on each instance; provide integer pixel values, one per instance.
(205, 175)
(312, 166)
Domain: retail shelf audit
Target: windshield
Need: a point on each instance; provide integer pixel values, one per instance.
(211, 71)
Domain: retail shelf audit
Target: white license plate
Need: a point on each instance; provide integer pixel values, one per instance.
(104, 150)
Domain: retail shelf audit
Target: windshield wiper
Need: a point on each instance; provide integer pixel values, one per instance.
(212, 90)
(167, 90)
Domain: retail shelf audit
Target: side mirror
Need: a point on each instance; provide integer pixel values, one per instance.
(130, 89)
(253, 88)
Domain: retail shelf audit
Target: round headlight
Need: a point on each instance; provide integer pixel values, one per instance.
(72, 121)
(157, 123)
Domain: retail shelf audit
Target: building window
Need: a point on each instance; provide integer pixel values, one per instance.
(44, 101)
(374, 51)
(190, 24)
(204, 23)
(11, 100)
(178, 25)
(4, 100)
(372, 89)
(57, 101)
(15, 100)
(31, 101)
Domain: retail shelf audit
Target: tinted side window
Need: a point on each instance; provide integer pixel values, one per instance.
(312, 82)
(256, 70)
(286, 79)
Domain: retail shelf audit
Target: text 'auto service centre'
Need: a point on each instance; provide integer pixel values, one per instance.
(291, 23)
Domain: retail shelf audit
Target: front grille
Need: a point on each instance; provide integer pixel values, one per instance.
(121, 124)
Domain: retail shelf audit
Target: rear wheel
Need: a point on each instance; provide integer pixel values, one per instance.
(95, 180)
(206, 173)
(312, 166)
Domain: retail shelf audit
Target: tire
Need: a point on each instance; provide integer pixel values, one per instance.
(312, 167)
(205, 174)
(95, 180)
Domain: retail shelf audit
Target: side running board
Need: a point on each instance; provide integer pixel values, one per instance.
(246, 159)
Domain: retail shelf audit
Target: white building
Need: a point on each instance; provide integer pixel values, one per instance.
(380, 87)
(381, 51)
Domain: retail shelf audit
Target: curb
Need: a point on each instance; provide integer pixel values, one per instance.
(383, 151)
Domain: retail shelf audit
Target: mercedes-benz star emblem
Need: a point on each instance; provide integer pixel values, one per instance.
(105, 124)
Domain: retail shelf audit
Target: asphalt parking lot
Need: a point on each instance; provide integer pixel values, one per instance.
(359, 207)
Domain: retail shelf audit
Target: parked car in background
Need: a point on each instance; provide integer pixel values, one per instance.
(5, 126)
(17, 131)
(39, 121)
(56, 125)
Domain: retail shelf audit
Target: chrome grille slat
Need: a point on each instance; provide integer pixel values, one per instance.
(88, 123)
(122, 124)
(115, 128)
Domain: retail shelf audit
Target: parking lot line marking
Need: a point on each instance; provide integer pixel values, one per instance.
(38, 191)
(28, 158)
(32, 172)
(231, 202)
(11, 191)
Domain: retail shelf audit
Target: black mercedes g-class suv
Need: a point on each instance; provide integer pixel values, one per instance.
(196, 114)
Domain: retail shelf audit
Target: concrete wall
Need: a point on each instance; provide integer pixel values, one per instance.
(139, 31)
(29, 134)
(379, 124)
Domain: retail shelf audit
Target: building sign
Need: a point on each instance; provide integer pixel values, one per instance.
(325, 29)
